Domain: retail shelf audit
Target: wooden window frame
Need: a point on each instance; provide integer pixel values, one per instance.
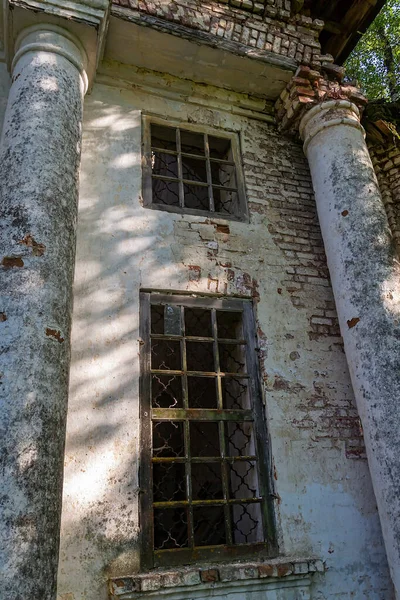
(147, 175)
(164, 558)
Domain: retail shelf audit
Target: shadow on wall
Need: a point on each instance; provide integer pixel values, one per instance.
(122, 247)
(115, 244)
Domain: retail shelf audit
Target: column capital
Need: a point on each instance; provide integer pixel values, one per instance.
(53, 39)
(328, 114)
(86, 20)
(322, 94)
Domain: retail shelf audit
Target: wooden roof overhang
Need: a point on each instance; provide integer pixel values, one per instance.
(345, 22)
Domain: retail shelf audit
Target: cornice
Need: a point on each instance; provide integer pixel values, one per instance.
(90, 12)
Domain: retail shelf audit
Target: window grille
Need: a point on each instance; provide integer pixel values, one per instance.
(204, 462)
(192, 171)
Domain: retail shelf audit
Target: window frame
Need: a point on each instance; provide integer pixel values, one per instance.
(242, 214)
(150, 557)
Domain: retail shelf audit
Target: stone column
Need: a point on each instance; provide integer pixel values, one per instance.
(366, 283)
(39, 158)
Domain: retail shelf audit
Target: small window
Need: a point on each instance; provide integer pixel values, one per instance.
(204, 449)
(194, 172)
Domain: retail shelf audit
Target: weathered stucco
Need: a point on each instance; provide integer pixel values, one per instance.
(365, 274)
(39, 156)
(172, 53)
(4, 89)
(324, 501)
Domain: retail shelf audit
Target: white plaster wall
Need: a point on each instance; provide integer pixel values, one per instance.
(325, 505)
(4, 89)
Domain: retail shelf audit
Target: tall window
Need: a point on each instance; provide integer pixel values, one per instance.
(192, 171)
(204, 463)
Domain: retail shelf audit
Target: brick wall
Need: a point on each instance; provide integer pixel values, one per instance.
(279, 186)
(386, 161)
(267, 26)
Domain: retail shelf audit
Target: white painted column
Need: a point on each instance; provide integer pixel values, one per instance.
(365, 278)
(39, 158)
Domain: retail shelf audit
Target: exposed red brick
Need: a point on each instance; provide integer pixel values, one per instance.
(266, 570)
(209, 575)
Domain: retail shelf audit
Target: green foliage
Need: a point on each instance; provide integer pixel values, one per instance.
(375, 62)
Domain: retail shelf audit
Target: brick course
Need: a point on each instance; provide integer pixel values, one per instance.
(191, 576)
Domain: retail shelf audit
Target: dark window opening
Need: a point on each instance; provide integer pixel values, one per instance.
(193, 172)
(204, 463)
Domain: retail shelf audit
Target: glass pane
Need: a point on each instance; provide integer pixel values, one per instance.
(235, 393)
(202, 392)
(229, 325)
(240, 438)
(192, 143)
(247, 523)
(165, 192)
(198, 322)
(172, 319)
(232, 358)
(209, 525)
(200, 356)
(164, 164)
(168, 438)
(166, 391)
(163, 137)
(169, 482)
(170, 528)
(166, 354)
(194, 169)
(166, 320)
(243, 480)
(196, 197)
(157, 319)
(223, 174)
(219, 147)
(204, 439)
(226, 202)
(207, 481)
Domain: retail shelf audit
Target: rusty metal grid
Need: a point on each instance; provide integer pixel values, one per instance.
(204, 460)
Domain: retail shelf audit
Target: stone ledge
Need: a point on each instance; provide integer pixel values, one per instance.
(274, 571)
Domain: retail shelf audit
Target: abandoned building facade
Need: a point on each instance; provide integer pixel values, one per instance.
(199, 304)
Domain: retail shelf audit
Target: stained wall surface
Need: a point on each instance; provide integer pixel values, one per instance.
(325, 505)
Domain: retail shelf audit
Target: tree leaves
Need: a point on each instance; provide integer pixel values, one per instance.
(375, 62)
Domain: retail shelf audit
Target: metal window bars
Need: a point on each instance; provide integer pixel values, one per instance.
(191, 171)
(204, 464)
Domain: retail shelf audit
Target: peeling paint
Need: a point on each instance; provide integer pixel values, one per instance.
(54, 333)
(10, 262)
(353, 322)
(37, 248)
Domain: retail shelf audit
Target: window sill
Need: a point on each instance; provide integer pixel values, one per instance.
(193, 582)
